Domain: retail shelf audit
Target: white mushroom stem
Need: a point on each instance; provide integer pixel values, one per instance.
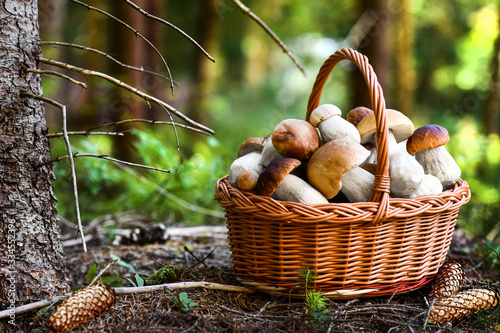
(357, 184)
(430, 186)
(250, 161)
(392, 144)
(406, 174)
(337, 127)
(439, 162)
(293, 188)
(269, 154)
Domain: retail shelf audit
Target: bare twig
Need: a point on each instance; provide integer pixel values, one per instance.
(181, 285)
(59, 134)
(105, 157)
(270, 33)
(70, 79)
(137, 33)
(136, 91)
(159, 19)
(154, 122)
(104, 54)
(71, 161)
(131, 290)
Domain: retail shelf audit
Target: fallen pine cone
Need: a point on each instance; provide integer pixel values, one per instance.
(81, 306)
(463, 304)
(449, 281)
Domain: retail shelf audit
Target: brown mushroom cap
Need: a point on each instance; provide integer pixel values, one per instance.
(250, 145)
(329, 163)
(401, 126)
(357, 114)
(274, 173)
(295, 138)
(427, 137)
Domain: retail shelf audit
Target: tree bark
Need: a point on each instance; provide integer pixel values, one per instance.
(32, 262)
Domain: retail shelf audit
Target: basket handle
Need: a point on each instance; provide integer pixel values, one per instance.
(382, 184)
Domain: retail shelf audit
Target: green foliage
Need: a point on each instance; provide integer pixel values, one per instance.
(182, 301)
(105, 187)
(165, 274)
(315, 302)
(139, 281)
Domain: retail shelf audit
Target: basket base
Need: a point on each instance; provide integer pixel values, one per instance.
(366, 292)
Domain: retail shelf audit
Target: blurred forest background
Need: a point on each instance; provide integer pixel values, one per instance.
(437, 61)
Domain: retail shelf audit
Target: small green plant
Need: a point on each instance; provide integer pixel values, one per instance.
(183, 302)
(315, 301)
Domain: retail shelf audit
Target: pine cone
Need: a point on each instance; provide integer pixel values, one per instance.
(463, 304)
(449, 281)
(81, 306)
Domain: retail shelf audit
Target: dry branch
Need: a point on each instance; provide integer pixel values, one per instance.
(105, 157)
(59, 134)
(70, 79)
(71, 161)
(131, 290)
(104, 54)
(136, 32)
(153, 122)
(147, 97)
(181, 285)
(159, 19)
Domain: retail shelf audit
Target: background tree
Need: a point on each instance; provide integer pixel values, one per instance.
(30, 242)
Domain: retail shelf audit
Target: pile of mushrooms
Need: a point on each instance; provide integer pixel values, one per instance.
(331, 159)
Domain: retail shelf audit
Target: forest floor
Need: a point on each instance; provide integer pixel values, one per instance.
(205, 256)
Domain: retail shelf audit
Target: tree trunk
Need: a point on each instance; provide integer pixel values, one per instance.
(32, 262)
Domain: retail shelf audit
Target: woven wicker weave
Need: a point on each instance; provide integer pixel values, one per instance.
(384, 246)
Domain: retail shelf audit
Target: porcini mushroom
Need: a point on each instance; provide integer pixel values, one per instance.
(250, 161)
(277, 181)
(427, 144)
(247, 180)
(405, 172)
(430, 185)
(355, 115)
(328, 166)
(253, 144)
(295, 138)
(327, 117)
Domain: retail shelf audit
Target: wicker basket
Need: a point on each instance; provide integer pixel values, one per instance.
(381, 247)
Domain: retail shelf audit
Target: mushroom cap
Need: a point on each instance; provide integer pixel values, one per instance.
(250, 145)
(357, 114)
(248, 180)
(427, 137)
(401, 126)
(328, 164)
(323, 112)
(274, 173)
(295, 138)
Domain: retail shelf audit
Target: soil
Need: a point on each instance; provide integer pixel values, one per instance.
(207, 258)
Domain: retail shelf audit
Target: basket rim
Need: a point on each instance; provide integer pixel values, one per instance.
(352, 213)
